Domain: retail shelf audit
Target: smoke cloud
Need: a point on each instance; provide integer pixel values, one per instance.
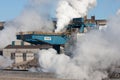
(35, 17)
(8, 34)
(93, 55)
(4, 62)
(69, 9)
(118, 12)
(37, 13)
(94, 52)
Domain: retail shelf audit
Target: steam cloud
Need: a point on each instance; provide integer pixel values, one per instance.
(35, 17)
(4, 62)
(69, 9)
(93, 55)
(118, 12)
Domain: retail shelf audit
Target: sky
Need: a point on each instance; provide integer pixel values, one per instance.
(105, 8)
(9, 9)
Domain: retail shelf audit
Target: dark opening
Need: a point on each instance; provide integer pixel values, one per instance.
(12, 56)
(1, 27)
(57, 48)
(1, 53)
(24, 56)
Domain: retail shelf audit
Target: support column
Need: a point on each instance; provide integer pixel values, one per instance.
(57, 48)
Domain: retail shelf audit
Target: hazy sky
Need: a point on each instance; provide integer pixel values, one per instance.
(9, 9)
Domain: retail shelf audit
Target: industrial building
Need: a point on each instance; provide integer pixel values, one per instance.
(20, 53)
(24, 50)
(99, 22)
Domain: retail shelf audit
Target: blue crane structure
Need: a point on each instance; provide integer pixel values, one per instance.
(54, 39)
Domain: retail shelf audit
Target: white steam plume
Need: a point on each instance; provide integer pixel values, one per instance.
(69, 9)
(118, 12)
(93, 54)
(8, 34)
(4, 62)
(35, 17)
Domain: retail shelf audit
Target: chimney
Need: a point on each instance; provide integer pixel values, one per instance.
(92, 19)
(85, 18)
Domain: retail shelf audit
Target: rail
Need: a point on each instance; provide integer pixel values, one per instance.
(43, 33)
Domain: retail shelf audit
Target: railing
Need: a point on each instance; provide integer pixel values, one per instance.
(42, 33)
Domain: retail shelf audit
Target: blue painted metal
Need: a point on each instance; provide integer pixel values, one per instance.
(44, 38)
(13, 43)
(90, 25)
(78, 20)
(77, 23)
(82, 28)
(52, 39)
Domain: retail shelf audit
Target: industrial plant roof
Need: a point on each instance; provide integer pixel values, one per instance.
(28, 47)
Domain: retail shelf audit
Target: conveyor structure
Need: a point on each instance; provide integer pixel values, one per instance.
(54, 39)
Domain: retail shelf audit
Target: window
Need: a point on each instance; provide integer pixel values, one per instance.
(12, 56)
(1, 53)
(24, 56)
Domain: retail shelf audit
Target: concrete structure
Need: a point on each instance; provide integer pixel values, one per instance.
(100, 22)
(21, 52)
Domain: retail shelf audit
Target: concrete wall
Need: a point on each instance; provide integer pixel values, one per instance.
(18, 54)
